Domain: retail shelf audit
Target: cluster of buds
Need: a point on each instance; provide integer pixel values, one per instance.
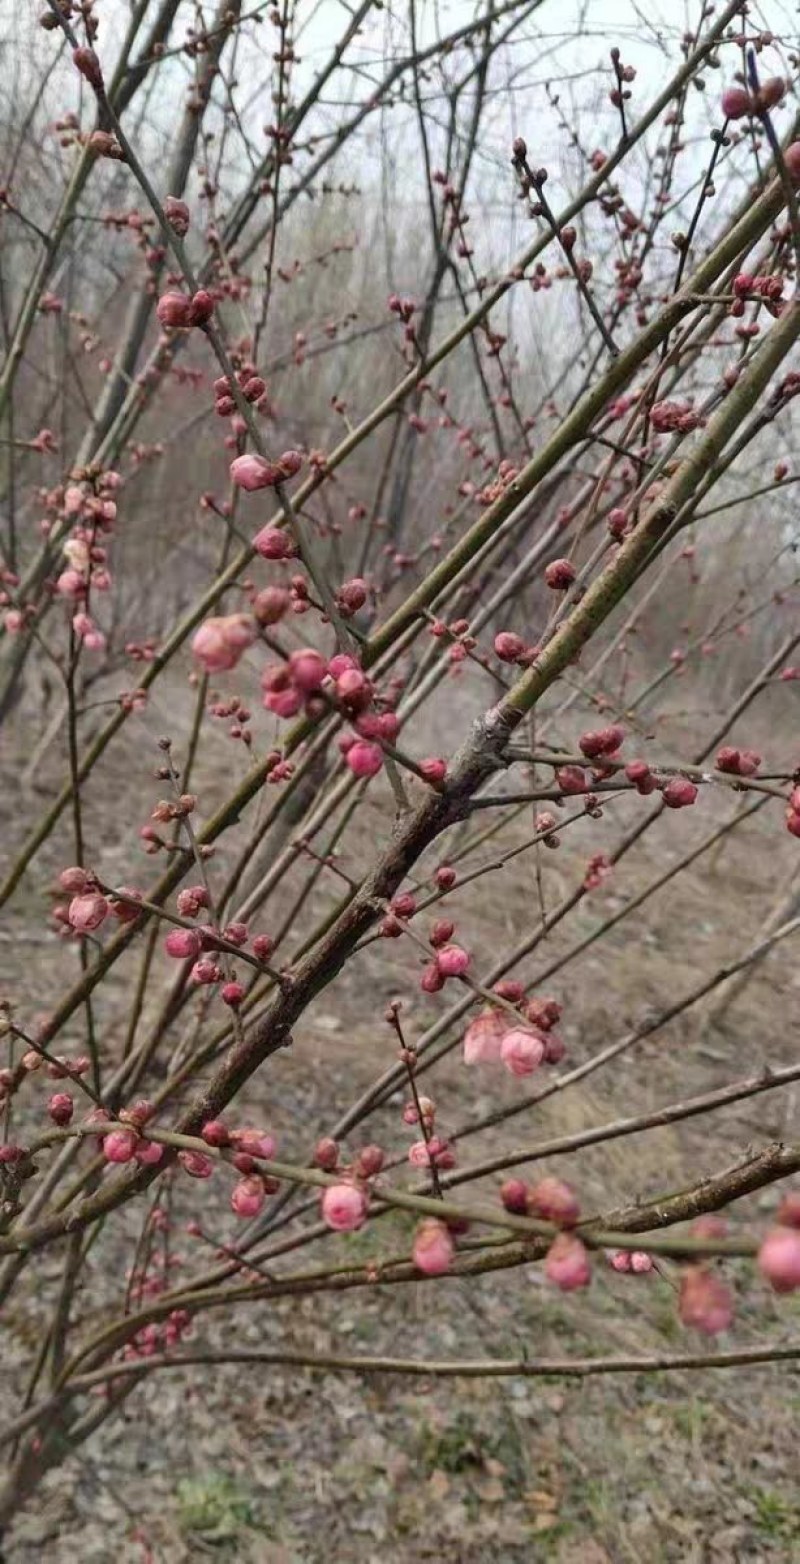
(494, 1037)
(251, 386)
(177, 311)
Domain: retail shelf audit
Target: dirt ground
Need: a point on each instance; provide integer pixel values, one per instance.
(285, 1466)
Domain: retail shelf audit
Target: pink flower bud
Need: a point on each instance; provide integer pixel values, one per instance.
(88, 64)
(789, 1209)
(307, 669)
(791, 158)
(232, 994)
(215, 1133)
(572, 779)
(641, 1262)
(87, 912)
(270, 542)
(183, 944)
(174, 310)
(61, 1108)
(508, 646)
(514, 1195)
(201, 308)
(270, 605)
(736, 103)
(351, 596)
(149, 1153)
(484, 1036)
(220, 642)
(369, 1161)
(248, 1196)
(705, 1301)
(452, 961)
(433, 1248)
(445, 877)
(177, 215)
(343, 1208)
(679, 793)
(567, 1263)
(119, 1145)
(521, 1051)
(191, 899)
(263, 947)
(560, 574)
(196, 1164)
(364, 759)
(252, 472)
(779, 1259)
(326, 1154)
(554, 1201)
(434, 770)
(74, 880)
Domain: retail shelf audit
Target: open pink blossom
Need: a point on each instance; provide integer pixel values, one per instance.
(433, 1248)
(344, 1207)
(522, 1051)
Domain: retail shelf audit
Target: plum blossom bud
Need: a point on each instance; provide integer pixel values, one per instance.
(433, 1248)
(74, 880)
(343, 1208)
(253, 472)
(201, 308)
(307, 669)
(514, 1195)
(149, 1153)
(560, 574)
(220, 641)
(369, 1161)
(705, 1302)
(215, 1133)
(61, 1108)
(484, 1036)
(326, 1154)
(174, 310)
(567, 1263)
(196, 1164)
(248, 1196)
(87, 63)
(270, 605)
(521, 1051)
(736, 103)
(779, 1259)
(119, 1145)
(364, 759)
(679, 793)
(508, 646)
(554, 1201)
(178, 216)
(87, 912)
(191, 899)
(271, 542)
(452, 961)
(183, 944)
